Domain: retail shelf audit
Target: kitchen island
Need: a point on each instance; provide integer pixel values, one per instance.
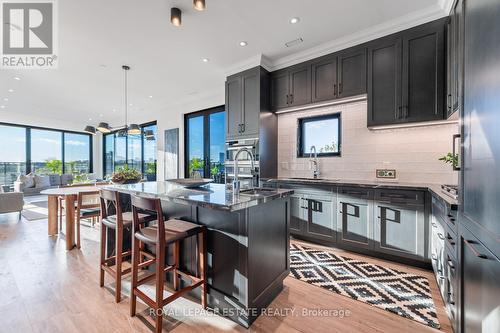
(247, 241)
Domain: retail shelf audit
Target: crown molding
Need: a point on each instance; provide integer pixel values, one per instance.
(404, 22)
(257, 60)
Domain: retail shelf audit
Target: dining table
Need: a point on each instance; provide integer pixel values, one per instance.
(70, 195)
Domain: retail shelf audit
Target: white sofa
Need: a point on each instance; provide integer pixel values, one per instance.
(30, 186)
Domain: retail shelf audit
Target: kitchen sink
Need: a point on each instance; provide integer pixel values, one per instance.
(258, 191)
(316, 179)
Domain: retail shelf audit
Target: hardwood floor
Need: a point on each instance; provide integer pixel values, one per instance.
(44, 288)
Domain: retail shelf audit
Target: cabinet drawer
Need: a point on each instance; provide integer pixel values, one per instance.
(450, 239)
(356, 192)
(402, 196)
(451, 290)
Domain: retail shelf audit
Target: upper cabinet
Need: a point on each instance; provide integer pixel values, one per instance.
(455, 58)
(291, 87)
(246, 94)
(406, 76)
(337, 75)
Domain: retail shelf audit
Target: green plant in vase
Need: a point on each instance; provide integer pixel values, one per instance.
(126, 175)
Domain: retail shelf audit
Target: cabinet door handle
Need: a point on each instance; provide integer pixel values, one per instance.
(398, 112)
(334, 89)
(242, 128)
(405, 109)
(448, 101)
(455, 137)
(473, 249)
(287, 100)
(353, 193)
(341, 88)
(291, 98)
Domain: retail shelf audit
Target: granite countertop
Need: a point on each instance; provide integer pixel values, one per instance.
(433, 188)
(215, 196)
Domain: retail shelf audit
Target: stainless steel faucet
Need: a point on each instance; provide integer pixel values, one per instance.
(236, 181)
(314, 162)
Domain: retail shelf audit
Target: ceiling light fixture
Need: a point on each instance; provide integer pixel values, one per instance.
(205, 60)
(199, 5)
(10, 90)
(6, 99)
(17, 78)
(2, 106)
(89, 129)
(176, 16)
(294, 20)
(150, 96)
(103, 127)
(243, 43)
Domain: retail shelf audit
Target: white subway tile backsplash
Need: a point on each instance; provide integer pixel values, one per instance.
(413, 152)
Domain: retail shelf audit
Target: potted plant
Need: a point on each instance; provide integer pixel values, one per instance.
(126, 175)
(450, 158)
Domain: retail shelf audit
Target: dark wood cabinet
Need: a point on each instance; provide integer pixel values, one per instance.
(479, 272)
(324, 79)
(352, 68)
(406, 76)
(291, 87)
(384, 81)
(279, 89)
(339, 75)
(423, 83)
(455, 58)
(244, 103)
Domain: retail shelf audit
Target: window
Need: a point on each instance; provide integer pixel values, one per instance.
(135, 151)
(46, 151)
(12, 153)
(205, 139)
(322, 132)
(76, 153)
(26, 149)
(149, 160)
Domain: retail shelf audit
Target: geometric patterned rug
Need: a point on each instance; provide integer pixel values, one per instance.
(404, 294)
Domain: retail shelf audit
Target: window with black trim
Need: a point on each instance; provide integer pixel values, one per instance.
(322, 132)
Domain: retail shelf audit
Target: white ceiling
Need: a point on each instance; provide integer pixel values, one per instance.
(96, 37)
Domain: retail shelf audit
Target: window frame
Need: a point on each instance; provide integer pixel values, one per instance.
(28, 129)
(142, 126)
(206, 138)
(300, 136)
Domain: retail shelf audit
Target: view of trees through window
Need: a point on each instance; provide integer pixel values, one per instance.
(42, 151)
(136, 151)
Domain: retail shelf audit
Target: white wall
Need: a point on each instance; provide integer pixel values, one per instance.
(413, 152)
(42, 121)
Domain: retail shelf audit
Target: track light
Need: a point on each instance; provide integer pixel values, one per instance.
(199, 4)
(176, 16)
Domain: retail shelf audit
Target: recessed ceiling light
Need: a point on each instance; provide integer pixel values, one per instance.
(114, 110)
(150, 96)
(2, 106)
(205, 60)
(294, 20)
(10, 90)
(101, 115)
(130, 104)
(90, 119)
(176, 16)
(17, 78)
(243, 43)
(6, 99)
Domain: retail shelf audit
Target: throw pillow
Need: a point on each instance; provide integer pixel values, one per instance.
(42, 181)
(27, 180)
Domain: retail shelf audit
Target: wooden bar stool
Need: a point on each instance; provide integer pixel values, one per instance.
(87, 207)
(160, 236)
(118, 222)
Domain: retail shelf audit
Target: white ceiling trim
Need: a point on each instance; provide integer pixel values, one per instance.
(404, 22)
(257, 60)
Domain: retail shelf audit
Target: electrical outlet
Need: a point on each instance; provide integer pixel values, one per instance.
(386, 173)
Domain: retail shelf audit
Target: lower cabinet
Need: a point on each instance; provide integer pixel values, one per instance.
(354, 213)
(355, 218)
(400, 229)
(312, 214)
(480, 290)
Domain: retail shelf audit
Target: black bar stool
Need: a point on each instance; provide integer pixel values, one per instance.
(160, 236)
(117, 221)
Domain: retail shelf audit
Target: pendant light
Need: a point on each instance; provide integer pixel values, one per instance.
(104, 128)
(89, 130)
(176, 16)
(199, 5)
(132, 129)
